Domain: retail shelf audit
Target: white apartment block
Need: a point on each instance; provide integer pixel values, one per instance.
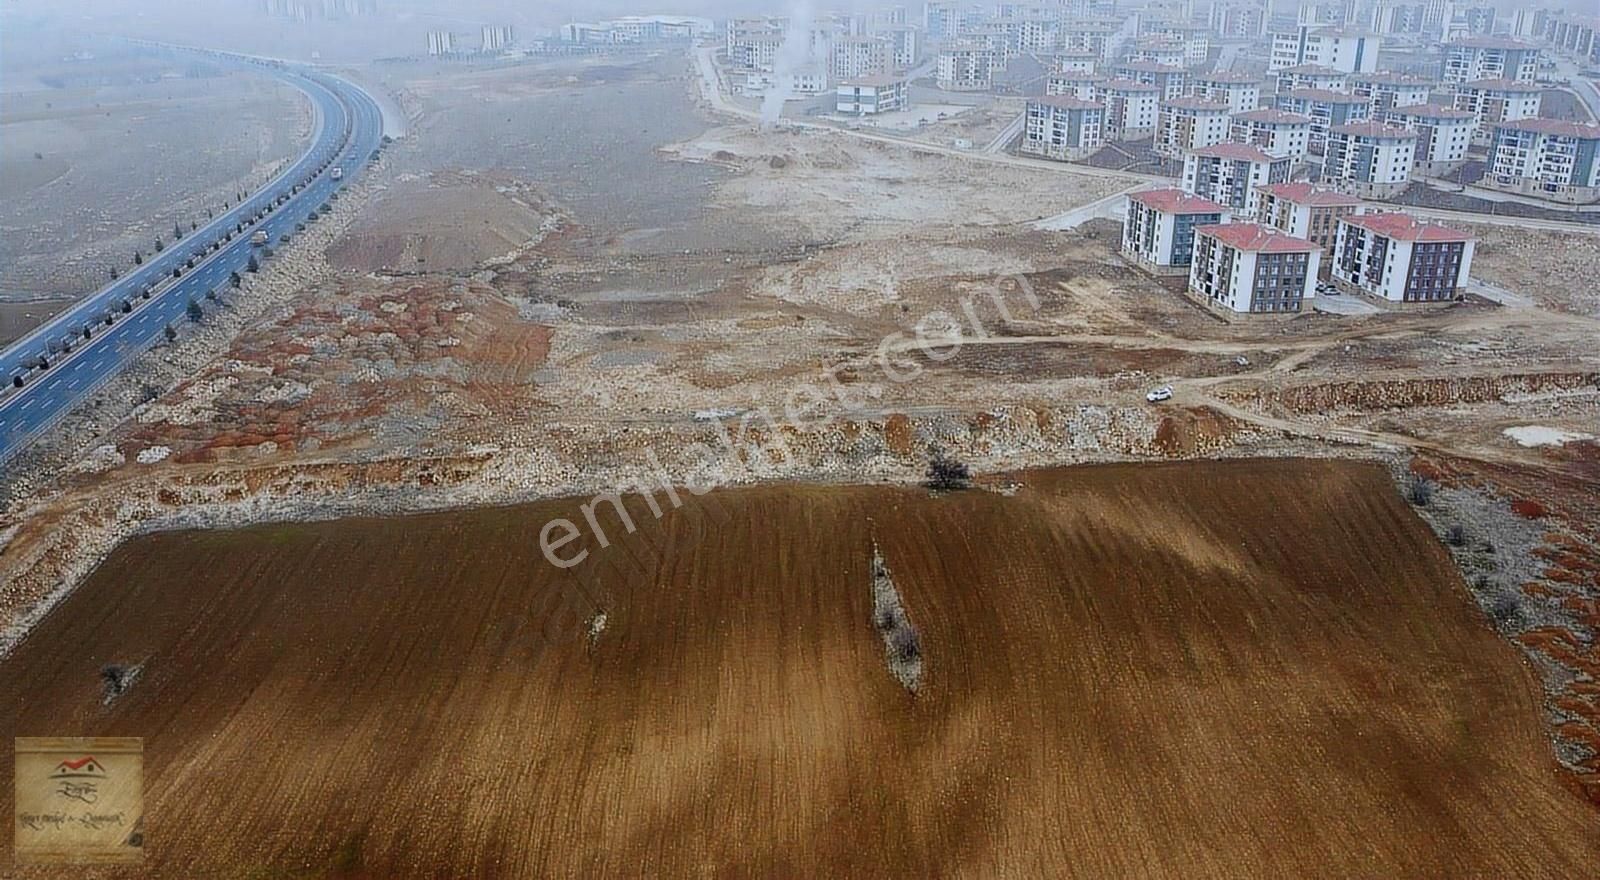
(872, 95)
(1394, 258)
(1229, 173)
(1159, 231)
(1131, 108)
(1232, 19)
(1075, 61)
(1194, 38)
(965, 67)
(1549, 158)
(1089, 36)
(858, 57)
(1240, 91)
(1304, 211)
(1187, 124)
(1077, 85)
(1160, 50)
(1369, 159)
(1476, 58)
(1386, 91)
(1443, 136)
(1310, 76)
(1493, 101)
(1063, 127)
(1326, 109)
(905, 45)
(1349, 51)
(1277, 132)
(1169, 79)
(805, 81)
(1246, 268)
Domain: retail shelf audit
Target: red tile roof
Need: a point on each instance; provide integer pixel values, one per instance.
(1282, 117)
(1067, 102)
(1404, 227)
(1373, 129)
(1256, 238)
(1128, 85)
(1198, 104)
(1305, 194)
(1327, 96)
(1176, 201)
(1433, 111)
(1312, 68)
(1237, 151)
(1228, 76)
(1387, 78)
(1500, 85)
(1150, 67)
(1490, 43)
(1557, 127)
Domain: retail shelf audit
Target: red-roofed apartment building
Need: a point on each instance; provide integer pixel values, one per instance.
(1279, 132)
(1159, 231)
(1185, 124)
(1305, 211)
(1549, 158)
(1369, 158)
(1396, 258)
(1247, 268)
(1228, 173)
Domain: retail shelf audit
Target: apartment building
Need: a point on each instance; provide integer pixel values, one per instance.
(1159, 231)
(1186, 124)
(1063, 127)
(869, 96)
(1493, 101)
(1233, 19)
(1549, 158)
(858, 57)
(1229, 173)
(1240, 91)
(965, 67)
(1170, 79)
(1194, 38)
(1075, 61)
(1369, 158)
(905, 45)
(1309, 76)
(1395, 258)
(1131, 108)
(1386, 91)
(1443, 135)
(1278, 132)
(1246, 268)
(1078, 85)
(1346, 50)
(1160, 50)
(1476, 58)
(1326, 109)
(1305, 211)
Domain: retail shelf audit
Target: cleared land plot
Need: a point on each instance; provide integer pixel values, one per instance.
(1261, 668)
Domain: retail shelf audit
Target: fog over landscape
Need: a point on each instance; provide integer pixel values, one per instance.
(1067, 438)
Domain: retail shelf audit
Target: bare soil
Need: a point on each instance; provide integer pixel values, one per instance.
(1260, 668)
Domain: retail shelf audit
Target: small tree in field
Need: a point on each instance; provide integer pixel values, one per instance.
(252, 266)
(945, 474)
(170, 333)
(194, 311)
(138, 258)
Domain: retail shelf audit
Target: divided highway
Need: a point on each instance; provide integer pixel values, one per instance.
(53, 369)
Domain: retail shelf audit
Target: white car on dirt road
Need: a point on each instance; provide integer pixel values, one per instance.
(1156, 395)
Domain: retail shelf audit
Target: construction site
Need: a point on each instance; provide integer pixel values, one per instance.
(1331, 609)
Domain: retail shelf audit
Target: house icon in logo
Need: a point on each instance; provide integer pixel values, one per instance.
(79, 768)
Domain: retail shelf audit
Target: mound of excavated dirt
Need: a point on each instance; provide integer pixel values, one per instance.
(1262, 668)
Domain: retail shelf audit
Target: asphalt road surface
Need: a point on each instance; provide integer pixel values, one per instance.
(140, 305)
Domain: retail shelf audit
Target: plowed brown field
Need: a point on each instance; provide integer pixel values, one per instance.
(1263, 668)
